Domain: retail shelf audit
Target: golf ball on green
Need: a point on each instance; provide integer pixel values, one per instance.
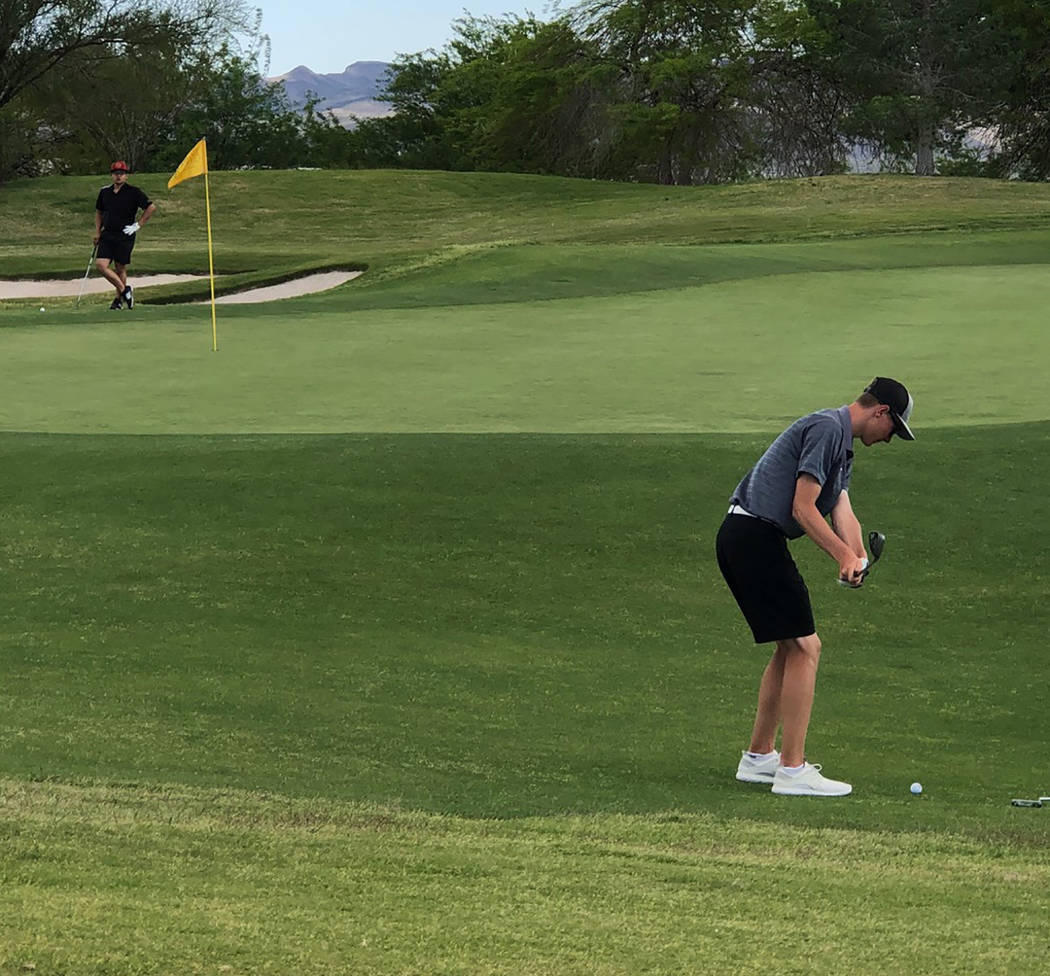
(916, 788)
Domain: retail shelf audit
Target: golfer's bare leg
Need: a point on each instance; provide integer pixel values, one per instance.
(767, 715)
(801, 659)
(122, 273)
(109, 274)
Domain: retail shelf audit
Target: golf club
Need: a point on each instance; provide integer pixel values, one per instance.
(876, 543)
(1028, 803)
(87, 271)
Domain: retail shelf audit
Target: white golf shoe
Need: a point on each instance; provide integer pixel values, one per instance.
(808, 783)
(757, 770)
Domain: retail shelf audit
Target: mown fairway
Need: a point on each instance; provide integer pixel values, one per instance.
(389, 639)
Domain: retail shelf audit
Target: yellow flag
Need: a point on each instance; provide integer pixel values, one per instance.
(195, 164)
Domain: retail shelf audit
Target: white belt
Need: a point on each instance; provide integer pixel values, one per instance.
(740, 510)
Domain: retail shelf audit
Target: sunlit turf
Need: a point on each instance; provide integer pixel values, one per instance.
(487, 694)
(398, 645)
(269, 224)
(181, 880)
(969, 340)
(502, 626)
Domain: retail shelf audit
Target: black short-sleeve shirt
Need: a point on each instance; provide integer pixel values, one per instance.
(119, 209)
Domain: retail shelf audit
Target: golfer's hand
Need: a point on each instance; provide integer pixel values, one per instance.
(130, 229)
(851, 571)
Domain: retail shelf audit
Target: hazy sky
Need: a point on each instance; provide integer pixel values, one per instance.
(327, 35)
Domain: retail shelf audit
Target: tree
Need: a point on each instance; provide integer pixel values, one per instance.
(667, 90)
(38, 35)
(714, 90)
(529, 97)
(913, 70)
(148, 102)
(84, 83)
(678, 84)
(423, 98)
(21, 143)
(1016, 99)
(120, 108)
(249, 122)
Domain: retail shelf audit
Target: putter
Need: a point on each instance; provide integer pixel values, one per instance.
(876, 543)
(1029, 803)
(87, 271)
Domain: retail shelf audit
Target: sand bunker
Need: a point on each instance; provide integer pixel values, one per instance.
(93, 286)
(307, 285)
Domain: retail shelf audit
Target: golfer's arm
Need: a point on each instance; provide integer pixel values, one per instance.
(98, 221)
(146, 214)
(846, 526)
(804, 509)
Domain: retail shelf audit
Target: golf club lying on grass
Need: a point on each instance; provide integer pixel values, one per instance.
(1042, 801)
(876, 543)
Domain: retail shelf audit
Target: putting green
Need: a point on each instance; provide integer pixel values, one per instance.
(735, 356)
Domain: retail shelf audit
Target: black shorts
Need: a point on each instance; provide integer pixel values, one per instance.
(754, 559)
(115, 245)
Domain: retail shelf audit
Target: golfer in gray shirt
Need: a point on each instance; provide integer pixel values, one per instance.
(801, 480)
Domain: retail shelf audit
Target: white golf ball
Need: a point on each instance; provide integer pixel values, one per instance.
(41, 308)
(916, 788)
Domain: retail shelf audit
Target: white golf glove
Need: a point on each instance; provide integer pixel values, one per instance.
(130, 229)
(843, 582)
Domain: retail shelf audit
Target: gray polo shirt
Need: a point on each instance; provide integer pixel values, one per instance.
(818, 444)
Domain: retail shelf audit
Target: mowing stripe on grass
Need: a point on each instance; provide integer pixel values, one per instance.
(737, 356)
(165, 880)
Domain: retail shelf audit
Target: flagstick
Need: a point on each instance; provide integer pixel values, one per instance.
(211, 264)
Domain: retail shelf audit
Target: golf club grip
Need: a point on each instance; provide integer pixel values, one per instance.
(876, 542)
(863, 577)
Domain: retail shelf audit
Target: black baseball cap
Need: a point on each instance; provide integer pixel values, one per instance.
(895, 396)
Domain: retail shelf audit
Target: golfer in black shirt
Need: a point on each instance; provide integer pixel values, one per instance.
(115, 229)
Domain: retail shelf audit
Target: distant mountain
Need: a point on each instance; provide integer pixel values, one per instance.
(354, 92)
